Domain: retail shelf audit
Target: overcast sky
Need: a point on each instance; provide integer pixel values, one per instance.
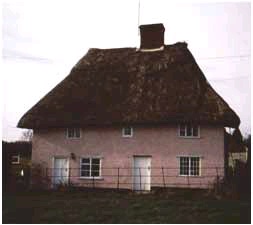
(42, 40)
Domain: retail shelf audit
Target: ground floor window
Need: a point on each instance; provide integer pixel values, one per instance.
(15, 159)
(189, 166)
(90, 167)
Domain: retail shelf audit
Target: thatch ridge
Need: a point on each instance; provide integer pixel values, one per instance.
(127, 86)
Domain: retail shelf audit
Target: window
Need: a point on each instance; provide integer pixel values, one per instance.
(73, 133)
(90, 167)
(189, 166)
(127, 132)
(188, 130)
(15, 159)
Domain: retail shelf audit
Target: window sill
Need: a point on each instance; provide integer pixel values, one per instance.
(73, 138)
(91, 178)
(189, 137)
(190, 176)
(127, 136)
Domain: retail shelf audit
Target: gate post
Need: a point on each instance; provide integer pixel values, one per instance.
(218, 180)
(69, 175)
(93, 182)
(164, 185)
(118, 180)
(140, 177)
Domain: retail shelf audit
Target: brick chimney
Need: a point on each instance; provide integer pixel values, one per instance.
(152, 37)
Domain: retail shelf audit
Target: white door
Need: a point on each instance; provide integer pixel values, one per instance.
(60, 171)
(142, 173)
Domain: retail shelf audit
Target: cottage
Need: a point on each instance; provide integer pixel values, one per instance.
(132, 118)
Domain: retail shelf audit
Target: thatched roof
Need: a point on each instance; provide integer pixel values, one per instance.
(127, 86)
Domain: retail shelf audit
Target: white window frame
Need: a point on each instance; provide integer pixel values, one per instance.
(127, 135)
(189, 136)
(100, 167)
(17, 157)
(189, 168)
(74, 137)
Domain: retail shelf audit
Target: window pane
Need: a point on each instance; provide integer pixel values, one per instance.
(127, 131)
(189, 130)
(77, 132)
(85, 167)
(195, 131)
(70, 132)
(195, 166)
(95, 173)
(95, 167)
(96, 161)
(86, 160)
(184, 165)
(182, 130)
(15, 159)
(85, 173)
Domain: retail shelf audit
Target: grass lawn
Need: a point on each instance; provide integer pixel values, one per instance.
(87, 206)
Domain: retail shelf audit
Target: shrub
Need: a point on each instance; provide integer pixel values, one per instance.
(39, 177)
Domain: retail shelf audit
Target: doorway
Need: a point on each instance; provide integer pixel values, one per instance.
(142, 173)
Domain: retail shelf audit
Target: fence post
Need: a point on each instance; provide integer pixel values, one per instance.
(118, 180)
(69, 175)
(164, 185)
(218, 179)
(188, 181)
(93, 182)
(140, 177)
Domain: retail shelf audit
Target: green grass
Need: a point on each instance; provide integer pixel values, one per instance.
(174, 206)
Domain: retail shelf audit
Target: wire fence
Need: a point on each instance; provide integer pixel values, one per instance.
(236, 179)
(137, 178)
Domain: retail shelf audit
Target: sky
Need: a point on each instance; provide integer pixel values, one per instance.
(43, 40)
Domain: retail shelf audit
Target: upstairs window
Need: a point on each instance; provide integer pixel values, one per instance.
(188, 130)
(15, 159)
(127, 132)
(189, 166)
(73, 133)
(90, 167)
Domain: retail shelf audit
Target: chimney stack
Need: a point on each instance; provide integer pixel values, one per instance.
(152, 37)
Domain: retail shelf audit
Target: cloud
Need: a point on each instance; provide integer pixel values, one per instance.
(16, 55)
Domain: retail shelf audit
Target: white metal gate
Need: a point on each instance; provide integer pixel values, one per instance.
(142, 173)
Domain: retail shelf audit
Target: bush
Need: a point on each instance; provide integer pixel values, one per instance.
(235, 185)
(39, 177)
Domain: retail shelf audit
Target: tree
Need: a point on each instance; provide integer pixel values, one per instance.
(247, 143)
(27, 135)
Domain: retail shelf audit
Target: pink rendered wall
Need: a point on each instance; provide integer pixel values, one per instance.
(162, 143)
